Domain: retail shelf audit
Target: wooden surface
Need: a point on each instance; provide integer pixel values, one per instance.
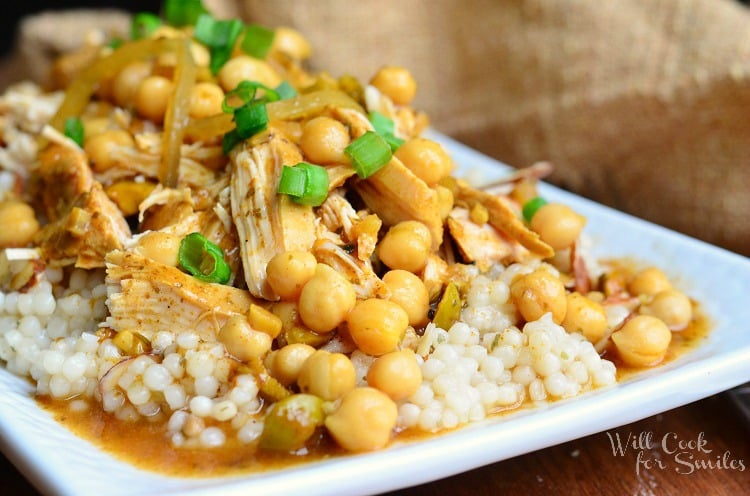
(588, 466)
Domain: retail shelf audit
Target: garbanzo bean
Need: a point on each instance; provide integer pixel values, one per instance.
(585, 316)
(397, 374)
(670, 306)
(327, 375)
(160, 246)
(289, 271)
(406, 246)
(291, 43)
(396, 83)
(326, 299)
(537, 293)
(244, 67)
(18, 224)
(410, 293)
(427, 159)
(242, 341)
(205, 100)
(127, 81)
(323, 140)
(648, 282)
(151, 97)
(558, 225)
(364, 420)
(99, 148)
(642, 341)
(287, 362)
(377, 326)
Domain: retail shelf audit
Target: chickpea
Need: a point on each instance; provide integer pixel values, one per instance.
(244, 67)
(151, 97)
(537, 293)
(201, 55)
(327, 375)
(558, 225)
(364, 420)
(672, 307)
(649, 282)
(288, 361)
(397, 374)
(326, 299)
(289, 271)
(585, 316)
(205, 100)
(242, 341)
(18, 224)
(127, 81)
(396, 83)
(406, 246)
(642, 341)
(94, 125)
(427, 159)
(323, 140)
(377, 326)
(99, 148)
(291, 43)
(160, 246)
(410, 293)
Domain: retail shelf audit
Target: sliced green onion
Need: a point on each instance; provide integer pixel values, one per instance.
(250, 119)
(203, 259)
(245, 92)
(285, 91)
(183, 12)
(115, 43)
(219, 37)
(369, 153)
(143, 24)
(386, 128)
(257, 41)
(74, 129)
(304, 183)
(531, 206)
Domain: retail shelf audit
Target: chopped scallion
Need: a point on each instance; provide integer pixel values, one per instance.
(115, 43)
(304, 183)
(368, 153)
(143, 24)
(183, 12)
(257, 41)
(386, 128)
(245, 92)
(250, 119)
(231, 139)
(530, 207)
(219, 37)
(203, 259)
(74, 129)
(286, 91)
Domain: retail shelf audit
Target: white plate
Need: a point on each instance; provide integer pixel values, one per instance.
(58, 462)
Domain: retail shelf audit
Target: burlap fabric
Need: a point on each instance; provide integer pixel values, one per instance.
(642, 105)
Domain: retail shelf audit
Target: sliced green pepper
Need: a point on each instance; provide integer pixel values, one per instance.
(203, 259)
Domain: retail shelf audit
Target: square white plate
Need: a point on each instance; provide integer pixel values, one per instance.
(58, 462)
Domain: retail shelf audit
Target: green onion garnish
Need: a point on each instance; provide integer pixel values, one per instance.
(245, 92)
(304, 183)
(115, 43)
(250, 116)
(183, 12)
(73, 129)
(250, 119)
(219, 37)
(386, 128)
(368, 153)
(143, 24)
(286, 90)
(230, 140)
(257, 41)
(203, 259)
(531, 206)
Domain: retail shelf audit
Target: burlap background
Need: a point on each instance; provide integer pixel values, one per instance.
(641, 104)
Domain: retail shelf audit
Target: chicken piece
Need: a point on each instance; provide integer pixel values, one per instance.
(481, 244)
(396, 194)
(164, 207)
(146, 296)
(267, 223)
(92, 227)
(63, 175)
(359, 272)
(435, 274)
(502, 218)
